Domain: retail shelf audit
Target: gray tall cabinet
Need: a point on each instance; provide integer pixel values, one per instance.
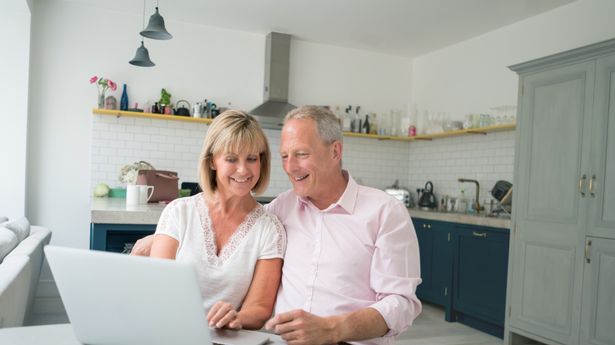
(561, 279)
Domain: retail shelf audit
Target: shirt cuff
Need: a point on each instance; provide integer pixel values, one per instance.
(397, 312)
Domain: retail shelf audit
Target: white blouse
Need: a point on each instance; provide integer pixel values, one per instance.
(226, 277)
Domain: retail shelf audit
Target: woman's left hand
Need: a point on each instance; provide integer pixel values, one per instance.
(222, 314)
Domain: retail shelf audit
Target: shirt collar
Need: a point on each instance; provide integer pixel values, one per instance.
(348, 199)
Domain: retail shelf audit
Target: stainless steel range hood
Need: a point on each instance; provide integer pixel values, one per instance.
(271, 113)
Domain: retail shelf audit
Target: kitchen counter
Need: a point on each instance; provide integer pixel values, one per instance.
(460, 218)
(115, 211)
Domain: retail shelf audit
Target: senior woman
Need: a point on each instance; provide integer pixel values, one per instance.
(236, 247)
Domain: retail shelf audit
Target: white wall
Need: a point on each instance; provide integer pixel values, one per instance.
(324, 74)
(472, 76)
(71, 42)
(15, 37)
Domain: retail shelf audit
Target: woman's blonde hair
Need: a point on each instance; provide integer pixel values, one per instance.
(236, 132)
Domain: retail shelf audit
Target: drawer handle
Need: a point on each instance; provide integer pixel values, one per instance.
(424, 226)
(479, 234)
(591, 186)
(581, 183)
(428, 226)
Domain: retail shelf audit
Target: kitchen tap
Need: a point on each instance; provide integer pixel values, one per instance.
(477, 205)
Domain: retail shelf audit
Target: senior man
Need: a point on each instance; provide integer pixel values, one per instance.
(352, 259)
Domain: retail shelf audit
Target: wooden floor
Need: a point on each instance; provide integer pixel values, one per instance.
(431, 329)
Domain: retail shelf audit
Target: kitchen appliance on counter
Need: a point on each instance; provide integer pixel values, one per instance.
(427, 200)
(401, 194)
(502, 192)
(193, 186)
(182, 111)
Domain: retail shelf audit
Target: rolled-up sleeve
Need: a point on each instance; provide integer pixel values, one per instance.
(395, 270)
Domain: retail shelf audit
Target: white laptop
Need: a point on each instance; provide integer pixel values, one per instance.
(117, 299)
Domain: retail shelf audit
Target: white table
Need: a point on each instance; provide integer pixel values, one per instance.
(61, 334)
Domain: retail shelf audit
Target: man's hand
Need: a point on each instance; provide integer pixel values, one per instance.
(143, 246)
(223, 314)
(298, 327)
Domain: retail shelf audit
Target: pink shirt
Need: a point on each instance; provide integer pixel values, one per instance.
(360, 252)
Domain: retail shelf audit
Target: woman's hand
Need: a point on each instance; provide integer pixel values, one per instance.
(223, 314)
(143, 246)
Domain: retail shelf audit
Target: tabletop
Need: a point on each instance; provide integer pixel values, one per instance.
(61, 334)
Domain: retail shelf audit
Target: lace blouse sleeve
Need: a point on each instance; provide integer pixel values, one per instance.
(168, 224)
(273, 240)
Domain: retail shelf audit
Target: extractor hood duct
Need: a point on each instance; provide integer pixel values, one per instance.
(271, 113)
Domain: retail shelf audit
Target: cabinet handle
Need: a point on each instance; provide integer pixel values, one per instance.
(479, 234)
(581, 183)
(587, 248)
(591, 186)
(428, 226)
(424, 226)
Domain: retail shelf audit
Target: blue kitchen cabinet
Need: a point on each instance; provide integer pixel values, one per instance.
(480, 266)
(117, 237)
(435, 249)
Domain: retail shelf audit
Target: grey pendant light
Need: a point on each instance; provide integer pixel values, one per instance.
(142, 57)
(155, 28)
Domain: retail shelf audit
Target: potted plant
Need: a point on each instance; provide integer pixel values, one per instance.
(165, 102)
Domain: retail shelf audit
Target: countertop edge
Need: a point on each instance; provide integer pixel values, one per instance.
(112, 211)
(461, 218)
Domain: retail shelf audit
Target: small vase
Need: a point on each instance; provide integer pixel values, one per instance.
(101, 101)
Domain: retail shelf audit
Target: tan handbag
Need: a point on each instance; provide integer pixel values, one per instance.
(165, 184)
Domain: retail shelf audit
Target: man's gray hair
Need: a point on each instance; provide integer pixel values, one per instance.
(328, 125)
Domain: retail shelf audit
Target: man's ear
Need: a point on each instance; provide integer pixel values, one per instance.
(337, 150)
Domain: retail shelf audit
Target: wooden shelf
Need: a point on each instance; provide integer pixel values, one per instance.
(120, 113)
(456, 133)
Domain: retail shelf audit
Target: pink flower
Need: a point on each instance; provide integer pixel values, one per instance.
(102, 84)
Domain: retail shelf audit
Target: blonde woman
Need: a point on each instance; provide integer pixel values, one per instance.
(236, 247)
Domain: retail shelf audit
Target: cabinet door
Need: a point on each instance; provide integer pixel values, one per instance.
(599, 293)
(550, 215)
(426, 249)
(118, 238)
(602, 171)
(436, 261)
(479, 276)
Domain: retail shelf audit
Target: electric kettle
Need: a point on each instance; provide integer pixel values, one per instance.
(428, 200)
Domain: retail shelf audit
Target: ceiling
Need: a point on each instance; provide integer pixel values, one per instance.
(397, 27)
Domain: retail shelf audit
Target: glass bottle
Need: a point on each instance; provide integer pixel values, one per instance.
(124, 100)
(462, 202)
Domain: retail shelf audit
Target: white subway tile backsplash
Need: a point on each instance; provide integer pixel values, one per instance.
(174, 145)
(486, 158)
(148, 129)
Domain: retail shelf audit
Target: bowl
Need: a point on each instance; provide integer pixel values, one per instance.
(117, 193)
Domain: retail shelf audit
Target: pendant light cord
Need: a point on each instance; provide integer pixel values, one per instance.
(143, 17)
(143, 21)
